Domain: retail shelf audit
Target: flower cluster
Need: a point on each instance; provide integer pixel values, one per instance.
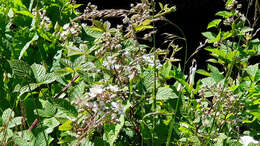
(70, 30)
(219, 102)
(45, 23)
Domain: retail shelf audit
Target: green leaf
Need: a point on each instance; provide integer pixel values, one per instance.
(224, 14)
(210, 36)
(48, 110)
(40, 74)
(165, 93)
(257, 76)
(143, 27)
(41, 139)
(165, 72)
(15, 122)
(51, 123)
(92, 31)
(111, 131)
(214, 23)
(25, 13)
(215, 74)
(25, 89)
(66, 126)
(7, 115)
(252, 70)
(21, 69)
(203, 72)
(65, 107)
(27, 45)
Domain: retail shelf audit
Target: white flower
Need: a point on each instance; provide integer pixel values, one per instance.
(246, 140)
(66, 26)
(95, 90)
(113, 88)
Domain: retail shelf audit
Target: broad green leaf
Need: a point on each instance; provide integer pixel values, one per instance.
(252, 70)
(25, 89)
(7, 115)
(224, 14)
(210, 36)
(25, 13)
(65, 107)
(257, 76)
(79, 61)
(215, 74)
(165, 93)
(165, 72)
(39, 72)
(40, 139)
(51, 123)
(23, 142)
(111, 131)
(27, 45)
(92, 31)
(214, 23)
(66, 62)
(148, 80)
(48, 110)
(66, 126)
(15, 122)
(21, 69)
(41, 76)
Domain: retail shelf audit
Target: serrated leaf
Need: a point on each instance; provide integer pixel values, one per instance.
(22, 142)
(214, 23)
(15, 122)
(48, 110)
(27, 45)
(215, 74)
(165, 72)
(40, 139)
(25, 89)
(257, 76)
(51, 123)
(93, 32)
(66, 126)
(252, 69)
(21, 69)
(39, 72)
(66, 62)
(80, 60)
(7, 115)
(165, 93)
(65, 107)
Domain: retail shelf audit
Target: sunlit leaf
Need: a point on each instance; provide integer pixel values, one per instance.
(66, 126)
(214, 23)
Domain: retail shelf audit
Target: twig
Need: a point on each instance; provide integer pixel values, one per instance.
(35, 122)
(67, 87)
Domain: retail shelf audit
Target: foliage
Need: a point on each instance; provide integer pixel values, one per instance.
(72, 83)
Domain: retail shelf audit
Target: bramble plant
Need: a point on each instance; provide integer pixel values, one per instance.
(66, 82)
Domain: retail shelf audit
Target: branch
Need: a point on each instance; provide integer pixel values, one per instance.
(67, 87)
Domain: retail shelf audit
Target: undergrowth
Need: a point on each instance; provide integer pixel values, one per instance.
(73, 79)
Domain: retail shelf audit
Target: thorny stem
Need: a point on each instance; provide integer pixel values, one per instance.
(67, 87)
